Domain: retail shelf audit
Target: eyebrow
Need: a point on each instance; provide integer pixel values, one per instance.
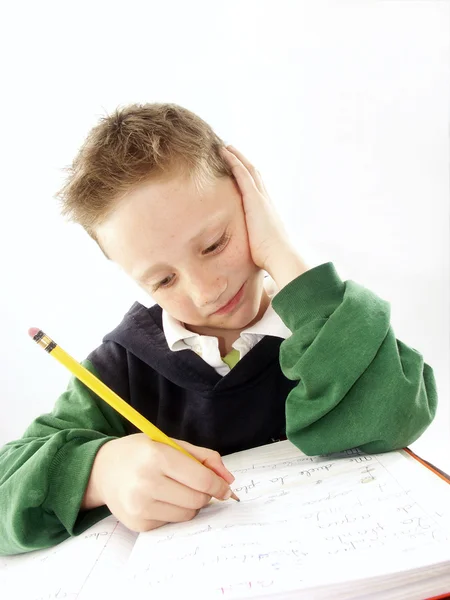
(160, 266)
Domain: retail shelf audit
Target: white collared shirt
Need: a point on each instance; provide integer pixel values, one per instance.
(206, 346)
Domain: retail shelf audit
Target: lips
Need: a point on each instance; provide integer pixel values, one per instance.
(231, 304)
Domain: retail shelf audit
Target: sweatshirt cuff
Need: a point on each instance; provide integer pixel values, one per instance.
(69, 476)
(314, 294)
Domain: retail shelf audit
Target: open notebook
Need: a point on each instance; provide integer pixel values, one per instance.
(341, 526)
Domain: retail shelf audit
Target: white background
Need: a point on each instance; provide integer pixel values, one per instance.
(342, 106)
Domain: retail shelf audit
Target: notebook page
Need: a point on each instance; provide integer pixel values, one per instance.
(420, 482)
(77, 569)
(302, 521)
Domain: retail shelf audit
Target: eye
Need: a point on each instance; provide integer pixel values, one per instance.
(164, 283)
(217, 246)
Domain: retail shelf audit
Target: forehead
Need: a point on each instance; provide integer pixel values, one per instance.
(156, 220)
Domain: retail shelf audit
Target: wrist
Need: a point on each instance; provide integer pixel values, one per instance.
(285, 266)
(93, 496)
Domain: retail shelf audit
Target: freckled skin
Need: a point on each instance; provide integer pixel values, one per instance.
(156, 224)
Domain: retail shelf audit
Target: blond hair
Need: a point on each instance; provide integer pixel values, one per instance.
(136, 144)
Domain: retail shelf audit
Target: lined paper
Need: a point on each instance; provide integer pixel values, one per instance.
(80, 568)
(302, 521)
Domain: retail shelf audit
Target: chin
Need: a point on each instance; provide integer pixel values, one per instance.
(238, 320)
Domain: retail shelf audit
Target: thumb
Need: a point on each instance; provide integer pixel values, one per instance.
(210, 458)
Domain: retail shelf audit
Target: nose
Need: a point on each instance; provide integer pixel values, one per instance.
(206, 288)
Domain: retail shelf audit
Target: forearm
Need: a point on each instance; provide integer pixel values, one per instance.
(44, 475)
(41, 489)
(358, 385)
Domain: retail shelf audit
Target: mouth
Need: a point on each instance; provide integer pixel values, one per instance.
(231, 304)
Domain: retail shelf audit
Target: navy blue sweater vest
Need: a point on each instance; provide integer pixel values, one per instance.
(184, 396)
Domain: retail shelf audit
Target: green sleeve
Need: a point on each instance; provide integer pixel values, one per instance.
(43, 476)
(358, 386)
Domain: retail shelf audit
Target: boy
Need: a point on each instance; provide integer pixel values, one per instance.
(191, 222)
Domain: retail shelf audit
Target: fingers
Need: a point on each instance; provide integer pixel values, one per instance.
(169, 513)
(209, 458)
(193, 474)
(174, 493)
(215, 463)
(245, 173)
(246, 182)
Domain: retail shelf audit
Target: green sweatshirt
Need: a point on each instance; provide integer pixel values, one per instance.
(341, 380)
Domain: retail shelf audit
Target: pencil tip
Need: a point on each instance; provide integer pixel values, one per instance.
(233, 495)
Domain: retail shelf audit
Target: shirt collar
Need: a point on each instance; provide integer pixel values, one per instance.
(269, 324)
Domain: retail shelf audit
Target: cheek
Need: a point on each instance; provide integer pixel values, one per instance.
(172, 301)
(176, 304)
(238, 253)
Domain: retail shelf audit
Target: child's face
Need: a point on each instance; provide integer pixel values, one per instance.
(190, 251)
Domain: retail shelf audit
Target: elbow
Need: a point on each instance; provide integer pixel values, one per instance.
(409, 417)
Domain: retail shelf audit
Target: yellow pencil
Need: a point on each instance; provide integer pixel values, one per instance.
(105, 393)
